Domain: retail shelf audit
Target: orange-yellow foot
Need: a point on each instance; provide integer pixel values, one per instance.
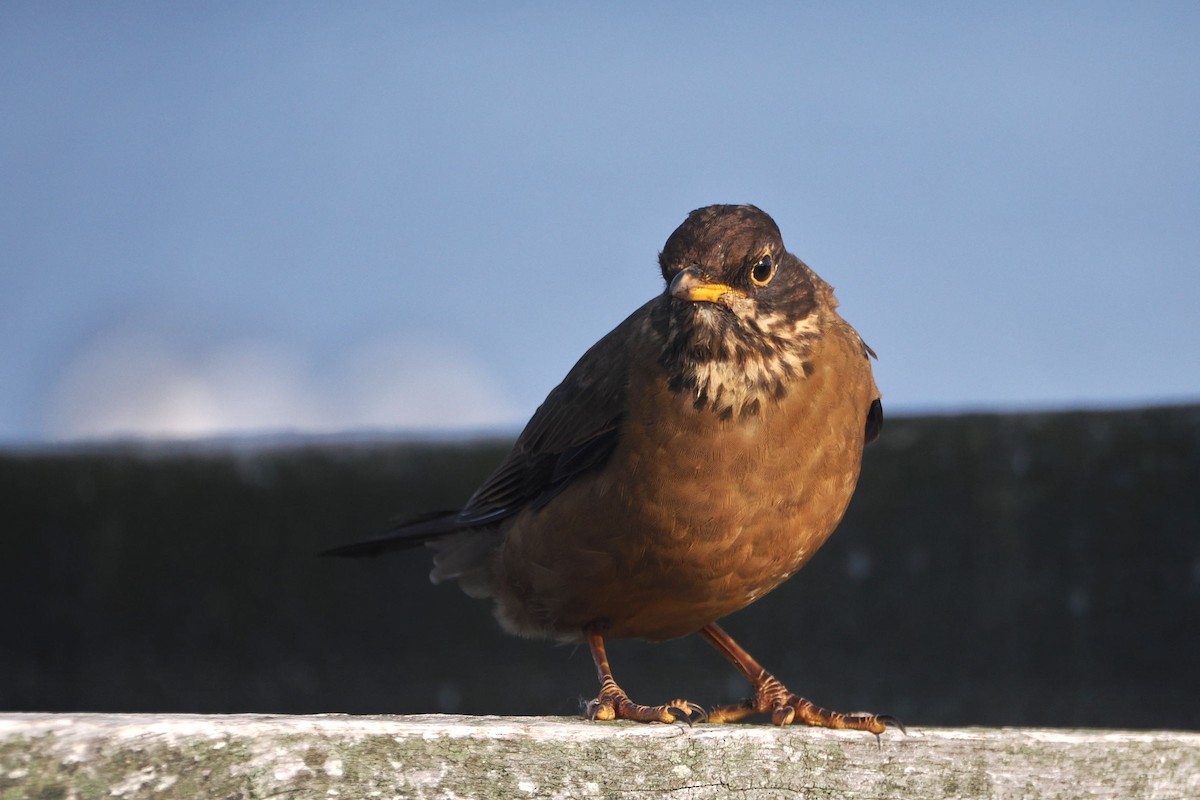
(613, 703)
(772, 697)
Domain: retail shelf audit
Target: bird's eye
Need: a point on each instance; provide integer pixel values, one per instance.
(763, 271)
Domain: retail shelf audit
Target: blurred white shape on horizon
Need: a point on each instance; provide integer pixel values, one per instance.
(416, 382)
(133, 383)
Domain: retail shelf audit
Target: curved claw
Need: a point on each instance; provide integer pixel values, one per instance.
(687, 711)
(894, 722)
(599, 710)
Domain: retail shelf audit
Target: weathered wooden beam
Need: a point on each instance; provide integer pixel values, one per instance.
(438, 756)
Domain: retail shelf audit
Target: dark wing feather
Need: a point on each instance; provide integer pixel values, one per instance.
(406, 533)
(575, 430)
(874, 420)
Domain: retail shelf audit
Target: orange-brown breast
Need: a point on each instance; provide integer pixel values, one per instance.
(694, 517)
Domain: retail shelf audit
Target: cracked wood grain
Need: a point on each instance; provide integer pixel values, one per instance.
(440, 756)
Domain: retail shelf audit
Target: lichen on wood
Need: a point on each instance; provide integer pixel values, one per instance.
(440, 756)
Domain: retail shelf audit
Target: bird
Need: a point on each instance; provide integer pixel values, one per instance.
(691, 461)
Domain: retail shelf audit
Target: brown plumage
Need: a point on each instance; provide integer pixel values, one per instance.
(693, 459)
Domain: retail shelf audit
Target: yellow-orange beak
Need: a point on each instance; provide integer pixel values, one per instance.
(688, 285)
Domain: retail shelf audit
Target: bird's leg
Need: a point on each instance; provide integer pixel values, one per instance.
(772, 697)
(613, 703)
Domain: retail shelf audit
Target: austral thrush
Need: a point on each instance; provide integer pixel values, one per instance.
(693, 460)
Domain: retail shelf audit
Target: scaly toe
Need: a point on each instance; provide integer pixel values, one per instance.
(614, 704)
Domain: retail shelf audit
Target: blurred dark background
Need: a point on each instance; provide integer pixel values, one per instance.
(1023, 569)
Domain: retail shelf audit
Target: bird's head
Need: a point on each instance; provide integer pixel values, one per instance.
(739, 311)
(729, 261)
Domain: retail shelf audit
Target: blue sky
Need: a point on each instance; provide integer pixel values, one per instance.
(327, 217)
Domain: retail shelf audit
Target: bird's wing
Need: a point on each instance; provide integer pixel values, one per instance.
(874, 420)
(574, 430)
(408, 532)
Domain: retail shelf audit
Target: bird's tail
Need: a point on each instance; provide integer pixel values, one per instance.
(406, 533)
